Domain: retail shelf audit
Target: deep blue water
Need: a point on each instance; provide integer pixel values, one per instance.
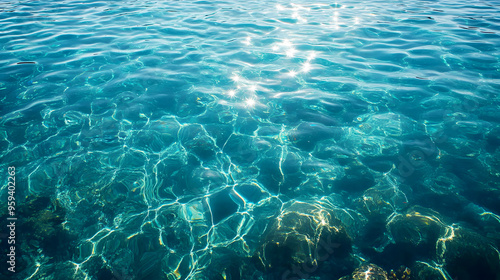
(251, 139)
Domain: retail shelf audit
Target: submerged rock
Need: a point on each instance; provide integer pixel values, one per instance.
(402, 273)
(379, 202)
(418, 227)
(412, 236)
(423, 270)
(373, 272)
(367, 272)
(468, 255)
(301, 237)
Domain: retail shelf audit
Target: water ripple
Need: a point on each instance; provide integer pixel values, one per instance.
(175, 134)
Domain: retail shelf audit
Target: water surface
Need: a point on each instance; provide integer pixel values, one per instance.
(252, 139)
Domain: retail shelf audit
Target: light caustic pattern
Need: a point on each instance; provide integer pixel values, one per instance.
(174, 151)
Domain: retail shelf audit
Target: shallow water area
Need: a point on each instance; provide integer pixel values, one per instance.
(251, 140)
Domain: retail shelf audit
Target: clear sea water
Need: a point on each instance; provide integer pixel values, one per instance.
(251, 139)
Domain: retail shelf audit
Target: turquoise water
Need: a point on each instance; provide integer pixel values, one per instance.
(251, 139)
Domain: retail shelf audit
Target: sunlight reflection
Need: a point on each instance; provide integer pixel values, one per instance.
(231, 93)
(336, 19)
(295, 7)
(312, 55)
(299, 7)
(291, 52)
(252, 88)
(297, 16)
(235, 78)
(292, 73)
(248, 41)
(250, 102)
(286, 44)
(306, 67)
